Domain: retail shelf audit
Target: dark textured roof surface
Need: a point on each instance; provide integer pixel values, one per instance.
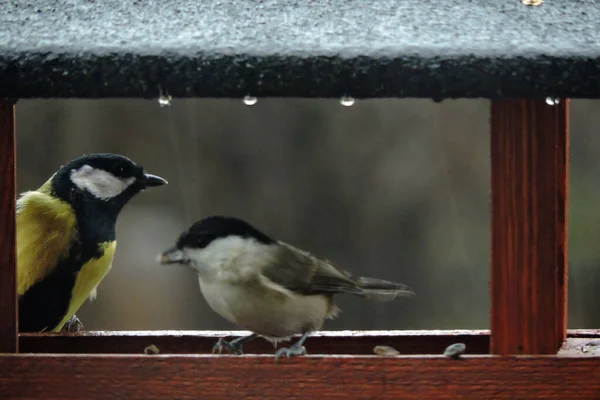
(305, 48)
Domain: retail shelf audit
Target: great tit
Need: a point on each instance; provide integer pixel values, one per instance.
(267, 286)
(66, 236)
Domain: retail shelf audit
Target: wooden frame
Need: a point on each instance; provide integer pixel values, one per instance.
(8, 242)
(230, 377)
(336, 342)
(529, 222)
(186, 342)
(529, 149)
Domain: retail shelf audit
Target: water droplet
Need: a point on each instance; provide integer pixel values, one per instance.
(347, 101)
(164, 101)
(552, 101)
(250, 100)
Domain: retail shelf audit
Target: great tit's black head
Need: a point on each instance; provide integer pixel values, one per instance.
(104, 177)
(212, 237)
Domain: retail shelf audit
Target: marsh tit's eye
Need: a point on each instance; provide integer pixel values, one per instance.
(203, 241)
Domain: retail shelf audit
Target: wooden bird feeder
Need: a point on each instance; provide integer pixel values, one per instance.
(516, 55)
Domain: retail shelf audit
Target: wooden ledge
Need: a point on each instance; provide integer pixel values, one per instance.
(195, 342)
(325, 342)
(258, 377)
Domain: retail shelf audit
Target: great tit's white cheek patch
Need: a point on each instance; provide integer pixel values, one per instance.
(102, 184)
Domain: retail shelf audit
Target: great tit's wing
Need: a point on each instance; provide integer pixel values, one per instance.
(303, 273)
(46, 228)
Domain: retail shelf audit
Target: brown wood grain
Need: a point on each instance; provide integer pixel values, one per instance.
(201, 342)
(313, 377)
(8, 281)
(529, 151)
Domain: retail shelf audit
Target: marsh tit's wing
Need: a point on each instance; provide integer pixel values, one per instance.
(303, 273)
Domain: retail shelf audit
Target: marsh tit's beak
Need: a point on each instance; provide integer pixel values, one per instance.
(172, 256)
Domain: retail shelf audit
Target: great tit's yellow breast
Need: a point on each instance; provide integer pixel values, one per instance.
(46, 226)
(88, 278)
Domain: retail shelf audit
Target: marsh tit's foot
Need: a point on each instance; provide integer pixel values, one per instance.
(232, 347)
(294, 350)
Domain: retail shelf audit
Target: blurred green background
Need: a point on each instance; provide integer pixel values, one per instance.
(396, 189)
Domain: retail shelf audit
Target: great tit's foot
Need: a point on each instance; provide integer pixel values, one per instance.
(73, 325)
(294, 350)
(233, 347)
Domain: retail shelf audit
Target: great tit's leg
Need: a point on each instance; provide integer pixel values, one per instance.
(297, 349)
(234, 346)
(73, 325)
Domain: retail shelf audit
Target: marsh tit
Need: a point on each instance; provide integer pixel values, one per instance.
(267, 286)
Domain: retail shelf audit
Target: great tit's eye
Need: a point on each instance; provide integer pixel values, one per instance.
(119, 170)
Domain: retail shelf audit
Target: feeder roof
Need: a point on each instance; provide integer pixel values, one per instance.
(304, 48)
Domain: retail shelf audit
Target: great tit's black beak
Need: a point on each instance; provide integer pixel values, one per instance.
(150, 180)
(171, 256)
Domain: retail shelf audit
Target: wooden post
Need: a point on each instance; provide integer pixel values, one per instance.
(529, 149)
(8, 258)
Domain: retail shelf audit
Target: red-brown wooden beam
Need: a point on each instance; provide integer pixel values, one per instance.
(529, 151)
(312, 377)
(8, 281)
(201, 342)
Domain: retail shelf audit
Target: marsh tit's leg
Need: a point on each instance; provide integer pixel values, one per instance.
(235, 346)
(297, 349)
(73, 325)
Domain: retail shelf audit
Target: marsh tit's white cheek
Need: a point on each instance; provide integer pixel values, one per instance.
(233, 257)
(205, 258)
(102, 184)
